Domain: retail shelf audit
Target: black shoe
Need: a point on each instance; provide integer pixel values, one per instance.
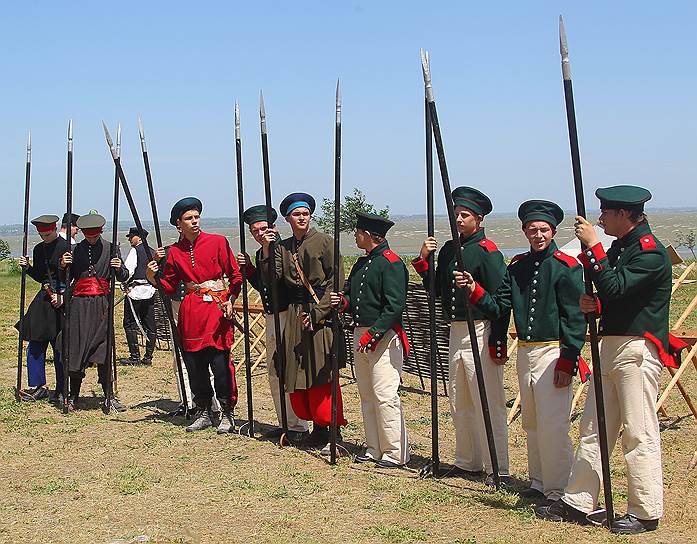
(535, 496)
(296, 436)
(130, 361)
(316, 439)
(383, 463)
(180, 411)
(37, 393)
(147, 361)
(506, 481)
(632, 525)
(364, 458)
(457, 472)
(560, 511)
(115, 407)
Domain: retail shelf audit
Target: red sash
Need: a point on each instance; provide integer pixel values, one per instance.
(90, 287)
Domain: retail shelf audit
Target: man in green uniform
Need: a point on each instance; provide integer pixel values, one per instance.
(633, 282)
(257, 219)
(542, 287)
(305, 269)
(485, 262)
(376, 295)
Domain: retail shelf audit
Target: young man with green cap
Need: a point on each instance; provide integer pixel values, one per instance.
(305, 270)
(42, 320)
(633, 282)
(376, 295)
(257, 219)
(139, 302)
(202, 261)
(542, 287)
(485, 262)
(90, 266)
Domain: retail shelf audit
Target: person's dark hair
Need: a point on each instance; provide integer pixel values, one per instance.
(376, 239)
(636, 216)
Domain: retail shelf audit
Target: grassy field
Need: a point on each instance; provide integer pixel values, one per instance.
(90, 478)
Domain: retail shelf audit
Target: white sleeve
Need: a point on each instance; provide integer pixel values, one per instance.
(131, 261)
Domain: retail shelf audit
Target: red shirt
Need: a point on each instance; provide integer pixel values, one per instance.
(201, 324)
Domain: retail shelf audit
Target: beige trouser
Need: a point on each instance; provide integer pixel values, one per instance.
(471, 447)
(545, 415)
(294, 422)
(631, 372)
(215, 405)
(378, 377)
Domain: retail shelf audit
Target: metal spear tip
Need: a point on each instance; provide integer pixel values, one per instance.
(262, 112)
(564, 50)
(426, 69)
(118, 139)
(70, 136)
(29, 140)
(237, 120)
(141, 133)
(109, 141)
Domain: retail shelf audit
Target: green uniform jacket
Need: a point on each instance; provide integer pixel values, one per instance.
(307, 353)
(485, 262)
(256, 280)
(376, 293)
(543, 289)
(634, 281)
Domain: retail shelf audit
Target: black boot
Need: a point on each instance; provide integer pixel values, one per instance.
(133, 349)
(74, 394)
(317, 438)
(149, 350)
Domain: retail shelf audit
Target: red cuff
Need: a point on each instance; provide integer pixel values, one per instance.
(591, 257)
(367, 341)
(477, 294)
(565, 366)
(420, 265)
(344, 303)
(499, 350)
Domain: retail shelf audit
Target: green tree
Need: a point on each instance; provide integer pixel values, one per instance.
(353, 203)
(4, 250)
(687, 240)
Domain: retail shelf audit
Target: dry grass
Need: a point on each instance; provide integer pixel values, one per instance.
(91, 478)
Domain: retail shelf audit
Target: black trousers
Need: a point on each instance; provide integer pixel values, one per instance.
(145, 310)
(197, 364)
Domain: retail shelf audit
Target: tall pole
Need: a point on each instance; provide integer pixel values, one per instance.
(336, 329)
(460, 266)
(590, 318)
(110, 340)
(148, 253)
(433, 344)
(151, 189)
(280, 353)
(245, 294)
(23, 287)
(65, 348)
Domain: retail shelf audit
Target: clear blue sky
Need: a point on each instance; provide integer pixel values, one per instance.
(496, 76)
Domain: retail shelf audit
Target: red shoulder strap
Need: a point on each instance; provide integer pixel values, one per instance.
(568, 260)
(488, 245)
(518, 257)
(647, 242)
(390, 256)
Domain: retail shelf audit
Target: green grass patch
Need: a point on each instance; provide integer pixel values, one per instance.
(133, 479)
(398, 534)
(52, 485)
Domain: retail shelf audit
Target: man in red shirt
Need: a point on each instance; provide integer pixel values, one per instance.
(201, 261)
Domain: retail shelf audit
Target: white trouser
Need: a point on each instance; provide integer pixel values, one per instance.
(294, 422)
(545, 415)
(215, 405)
(631, 373)
(471, 447)
(378, 377)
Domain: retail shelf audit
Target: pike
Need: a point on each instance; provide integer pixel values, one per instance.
(272, 272)
(23, 288)
(445, 178)
(590, 318)
(245, 294)
(336, 329)
(65, 339)
(110, 339)
(176, 341)
(433, 344)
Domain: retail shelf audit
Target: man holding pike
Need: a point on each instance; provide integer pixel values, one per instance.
(304, 268)
(542, 287)
(633, 287)
(375, 296)
(256, 218)
(201, 260)
(42, 321)
(90, 265)
(485, 262)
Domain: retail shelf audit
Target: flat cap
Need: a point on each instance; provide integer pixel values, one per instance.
(373, 223)
(258, 213)
(183, 206)
(623, 197)
(472, 199)
(540, 210)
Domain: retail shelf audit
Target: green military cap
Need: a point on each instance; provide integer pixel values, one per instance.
(91, 221)
(623, 197)
(540, 210)
(258, 213)
(45, 223)
(472, 199)
(373, 223)
(184, 205)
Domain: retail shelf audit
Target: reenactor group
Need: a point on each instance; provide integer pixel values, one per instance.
(543, 288)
